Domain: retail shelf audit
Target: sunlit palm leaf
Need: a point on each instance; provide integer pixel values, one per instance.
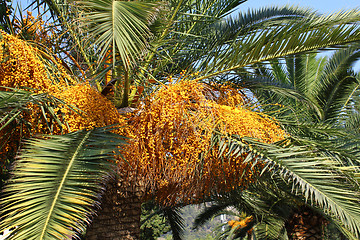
(276, 42)
(327, 86)
(338, 83)
(57, 183)
(118, 26)
(255, 19)
(190, 41)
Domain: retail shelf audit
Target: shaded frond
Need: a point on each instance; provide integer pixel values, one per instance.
(209, 212)
(14, 103)
(173, 216)
(314, 175)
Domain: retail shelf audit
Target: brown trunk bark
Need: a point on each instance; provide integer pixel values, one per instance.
(305, 224)
(119, 216)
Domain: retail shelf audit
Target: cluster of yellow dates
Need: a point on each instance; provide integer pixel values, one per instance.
(169, 133)
(241, 223)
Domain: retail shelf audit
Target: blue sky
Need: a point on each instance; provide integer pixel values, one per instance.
(323, 6)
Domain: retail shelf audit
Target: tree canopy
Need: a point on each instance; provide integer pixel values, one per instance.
(168, 78)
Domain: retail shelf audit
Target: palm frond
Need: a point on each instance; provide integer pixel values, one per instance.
(209, 212)
(186, 26)
(268, 200)
(303, 71)
(260, 18)
(326, 88)
(55, 7)
(15, 102)
(119, 27)
(353, 122)
(57, 183)
(201, 31)
(314, 175)
(173, 216)
(271, 228)
(277, 42)
(205, 9)
(337, 82)
(268, 90)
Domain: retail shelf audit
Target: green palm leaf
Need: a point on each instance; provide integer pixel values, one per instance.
(118, 26)
(337, 83)
(200, 29)
(279, 41)
(261, 18)
(315, 175)
(268, 200)
(14, 103)
(57, 183)
(328, 86)
(271, 228)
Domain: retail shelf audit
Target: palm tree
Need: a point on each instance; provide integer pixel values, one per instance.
(326, 88)
(316, 92)
(331, 86)
(181, 35)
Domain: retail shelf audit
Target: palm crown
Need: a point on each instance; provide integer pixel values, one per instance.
(139, 43)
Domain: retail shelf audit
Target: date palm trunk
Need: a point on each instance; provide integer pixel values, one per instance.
(119, 216)
(306, 224)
